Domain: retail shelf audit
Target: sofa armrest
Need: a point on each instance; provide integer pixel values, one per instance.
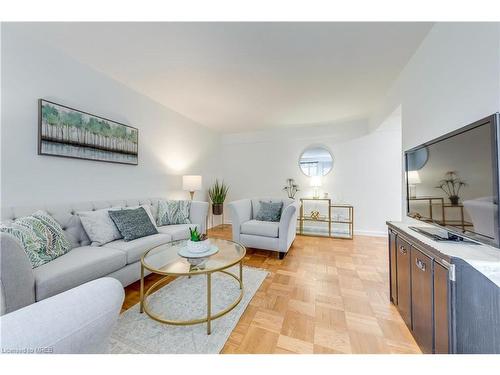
(79, 320)
(288, 226)
(17, 280)
(240, 211)
(198, 214)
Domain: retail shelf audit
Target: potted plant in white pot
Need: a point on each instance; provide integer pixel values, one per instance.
(198, 243)
(217, 193)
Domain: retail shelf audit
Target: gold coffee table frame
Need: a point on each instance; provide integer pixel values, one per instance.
(196, 271)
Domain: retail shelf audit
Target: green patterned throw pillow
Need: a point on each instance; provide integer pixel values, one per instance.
(41, 237)
(173, 212)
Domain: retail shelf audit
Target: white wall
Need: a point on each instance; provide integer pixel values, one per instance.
(452, 80)
(169, 144)
(366, 171)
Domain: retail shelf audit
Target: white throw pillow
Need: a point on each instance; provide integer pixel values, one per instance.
(99, 226)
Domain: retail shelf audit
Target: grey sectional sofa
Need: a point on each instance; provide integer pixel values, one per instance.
(20, 285)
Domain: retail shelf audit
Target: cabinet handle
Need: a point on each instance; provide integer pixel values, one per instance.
(402, 249)
(420, 264)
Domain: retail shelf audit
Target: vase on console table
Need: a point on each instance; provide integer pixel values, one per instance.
(454, 199)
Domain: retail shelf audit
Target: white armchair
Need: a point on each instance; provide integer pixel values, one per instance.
(276, 236)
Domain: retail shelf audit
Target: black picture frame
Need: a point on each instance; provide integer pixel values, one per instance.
(129, 150)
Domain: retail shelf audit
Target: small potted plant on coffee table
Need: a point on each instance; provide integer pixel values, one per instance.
(217, 193)
(198, 243)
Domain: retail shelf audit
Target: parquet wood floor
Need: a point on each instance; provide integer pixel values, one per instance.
(326, 296)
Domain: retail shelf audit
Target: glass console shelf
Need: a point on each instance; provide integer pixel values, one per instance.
(339, 219)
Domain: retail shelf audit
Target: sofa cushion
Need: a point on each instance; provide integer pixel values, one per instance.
(260, 228)
(178, 231)
(80, 265)
(136, 248)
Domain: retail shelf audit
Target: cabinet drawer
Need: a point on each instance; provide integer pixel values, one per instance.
(403, 279)
(422, 299)
(441, 314)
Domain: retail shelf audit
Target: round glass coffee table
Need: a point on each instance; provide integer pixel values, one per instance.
(164, 260)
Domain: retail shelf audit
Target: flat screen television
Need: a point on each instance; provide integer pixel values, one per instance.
(452, 181)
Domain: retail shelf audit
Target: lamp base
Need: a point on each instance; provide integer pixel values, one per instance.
(412, 191)
(316, 193)
(191, 194)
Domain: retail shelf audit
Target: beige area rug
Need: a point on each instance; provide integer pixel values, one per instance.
(185, 298)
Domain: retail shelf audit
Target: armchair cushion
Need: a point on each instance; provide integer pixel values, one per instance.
(261, 228)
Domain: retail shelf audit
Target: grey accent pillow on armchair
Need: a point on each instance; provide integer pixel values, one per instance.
(269, 211)
(133, 224)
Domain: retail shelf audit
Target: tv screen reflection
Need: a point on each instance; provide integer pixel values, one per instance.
(450, 183)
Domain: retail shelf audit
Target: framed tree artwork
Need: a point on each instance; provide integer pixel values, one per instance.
(71, 133)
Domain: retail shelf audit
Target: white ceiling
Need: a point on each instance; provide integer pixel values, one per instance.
(237, 77)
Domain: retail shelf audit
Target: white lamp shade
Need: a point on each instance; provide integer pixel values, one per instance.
(315, 181)
(191, 183)
(413, 177)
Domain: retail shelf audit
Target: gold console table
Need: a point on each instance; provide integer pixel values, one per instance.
(442, 207)
(331, 207)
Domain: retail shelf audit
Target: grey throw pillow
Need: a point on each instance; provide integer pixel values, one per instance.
(133, 224)
(269, 211)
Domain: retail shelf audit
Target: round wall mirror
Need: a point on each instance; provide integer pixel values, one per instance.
(316, 161)
(417, 159)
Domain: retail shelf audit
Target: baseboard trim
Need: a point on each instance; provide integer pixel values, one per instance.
(371, 233)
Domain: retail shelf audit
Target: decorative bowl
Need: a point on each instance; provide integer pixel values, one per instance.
(197, 259)
(198, 246)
